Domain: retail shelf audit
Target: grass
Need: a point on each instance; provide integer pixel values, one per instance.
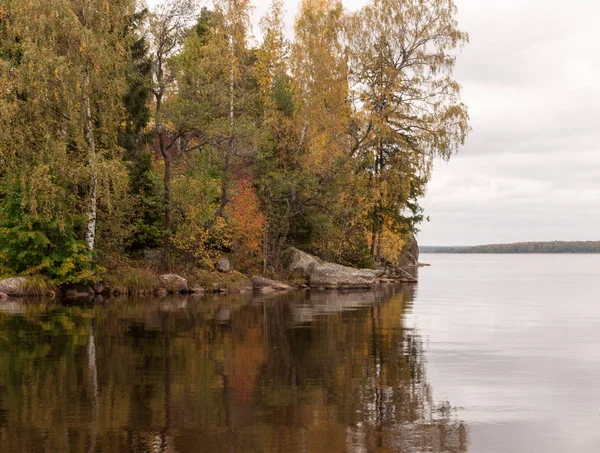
(38, 285)
(130, 280)
(213, 281)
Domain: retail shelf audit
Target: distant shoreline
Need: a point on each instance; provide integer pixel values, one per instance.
(520, 247)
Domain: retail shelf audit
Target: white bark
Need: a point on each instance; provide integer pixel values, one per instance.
(90, 232)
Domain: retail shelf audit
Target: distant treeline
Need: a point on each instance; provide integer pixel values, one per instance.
(521, 247)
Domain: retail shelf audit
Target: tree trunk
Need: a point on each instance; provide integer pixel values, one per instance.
(167, 202)
(90, 232)
(164, 152)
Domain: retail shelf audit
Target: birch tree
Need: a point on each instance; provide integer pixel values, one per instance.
(408, 108)
(62, 85)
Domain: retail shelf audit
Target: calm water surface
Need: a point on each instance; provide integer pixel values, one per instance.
(513, 341)
(488, 353)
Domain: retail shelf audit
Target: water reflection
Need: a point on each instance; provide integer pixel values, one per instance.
(308, 372)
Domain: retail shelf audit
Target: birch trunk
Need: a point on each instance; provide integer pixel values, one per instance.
(90, 232)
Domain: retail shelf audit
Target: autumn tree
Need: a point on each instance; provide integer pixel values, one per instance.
(407, 104)
(62, 82)
(215, 113)
(168, 26)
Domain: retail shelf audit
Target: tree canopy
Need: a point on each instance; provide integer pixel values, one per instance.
(124, 130)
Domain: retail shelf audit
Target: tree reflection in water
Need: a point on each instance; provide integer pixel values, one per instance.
(308, 372)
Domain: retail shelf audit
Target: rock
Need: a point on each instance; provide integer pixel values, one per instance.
(16, 286)
(223, 265)
(260, 283)
(72, 293)
(98, 288)
(409, 256)
(332, 276)
(300, 262)
(174, 283)
(98, 299)
(3, 296)
(321, 274)
(83, 289)
(161, 292)
(197, 289)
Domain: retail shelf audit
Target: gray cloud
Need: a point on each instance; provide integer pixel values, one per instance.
(531, 168)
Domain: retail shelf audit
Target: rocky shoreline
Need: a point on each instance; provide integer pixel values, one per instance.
(307, 271)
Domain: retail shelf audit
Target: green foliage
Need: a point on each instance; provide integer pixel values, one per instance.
(167, 128)
(32, 244)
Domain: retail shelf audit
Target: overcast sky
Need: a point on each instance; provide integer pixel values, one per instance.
(531, 167)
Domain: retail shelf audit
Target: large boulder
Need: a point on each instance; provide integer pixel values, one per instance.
(320, 273)
(300, 262)
(409, 256)
(21, 286)
(174, 283)
(330, 275)
(16, 286)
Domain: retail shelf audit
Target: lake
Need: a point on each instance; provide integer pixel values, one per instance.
(487, 353)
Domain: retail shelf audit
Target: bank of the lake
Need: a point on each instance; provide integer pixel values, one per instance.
(300, 270)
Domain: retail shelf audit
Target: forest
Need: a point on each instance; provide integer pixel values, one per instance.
(181, 132)
(522, 247)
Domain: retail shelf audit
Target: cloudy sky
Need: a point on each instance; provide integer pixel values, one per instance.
(531, 167)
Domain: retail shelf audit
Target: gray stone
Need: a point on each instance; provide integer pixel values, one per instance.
(300, 262)
(331, 276)
(197, 289)
(72, 293)
(173, 283)
(223, 265)
(409, 256)
(321, 274)
(16, 286)
(98, 288)
(260, 283)
(83, 289)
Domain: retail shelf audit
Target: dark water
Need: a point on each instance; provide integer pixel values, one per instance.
(318, 372)
(486, 354)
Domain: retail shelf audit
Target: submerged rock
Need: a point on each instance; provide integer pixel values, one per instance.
(174, 283)
(197, 289)
(3, 296)
(267, 285)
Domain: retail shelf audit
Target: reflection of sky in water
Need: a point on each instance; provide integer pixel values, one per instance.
(514, 341)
